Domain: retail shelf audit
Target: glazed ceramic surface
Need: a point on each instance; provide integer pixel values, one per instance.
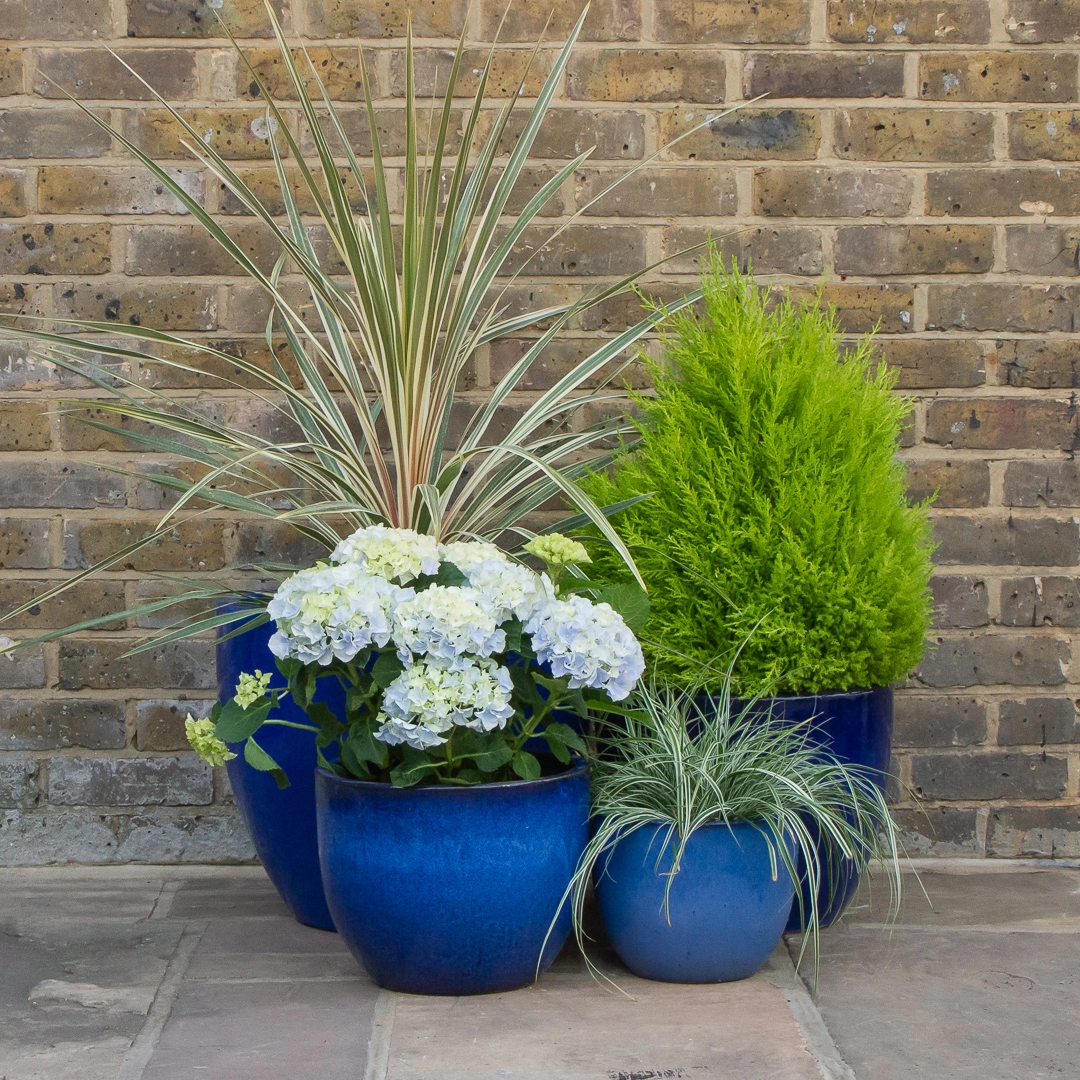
(726, 912)
(451, 890)
(281, 822)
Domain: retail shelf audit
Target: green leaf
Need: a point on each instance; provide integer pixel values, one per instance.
(235, 723)
(526, 765)
(555, 745)
(630, 601)
(406, 774)
(492, 760)
(566, 735)
(355, 765)
(513, 631)
(259, 759)
(320, 713)
(364, 746)
(449, 574)
(386, 669)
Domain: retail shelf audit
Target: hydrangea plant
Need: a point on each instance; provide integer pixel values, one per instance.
(453, 657)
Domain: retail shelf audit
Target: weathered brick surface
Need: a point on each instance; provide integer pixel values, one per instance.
(163, 781)
(916, 165)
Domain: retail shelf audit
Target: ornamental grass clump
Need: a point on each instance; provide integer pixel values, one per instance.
(452, 657)
(776, 519)
(668, 760)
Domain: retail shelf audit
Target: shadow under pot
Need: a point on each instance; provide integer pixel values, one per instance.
(725, 911)
(452, 890)
(281, 821)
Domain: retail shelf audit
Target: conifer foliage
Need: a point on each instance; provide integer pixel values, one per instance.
(778, 519)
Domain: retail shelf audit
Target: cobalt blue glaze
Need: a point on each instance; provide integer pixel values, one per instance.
(855, 728)
(281, 822)
(726, 912)
(451, 890)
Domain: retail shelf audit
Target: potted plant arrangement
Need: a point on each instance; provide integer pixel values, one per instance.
(778, 526)
(446, 843)
(703, 814)
(379, 300)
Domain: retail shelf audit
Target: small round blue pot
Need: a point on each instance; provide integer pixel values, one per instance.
(451, 890)
(726, 911)
(856, 729)
(281, 822)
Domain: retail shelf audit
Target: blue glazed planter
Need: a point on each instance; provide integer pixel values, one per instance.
(726, 912)
(855, 728)
(281, 822)
(451, 890)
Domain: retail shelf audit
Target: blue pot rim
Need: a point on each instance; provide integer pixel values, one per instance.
(826, 694)
(578, 767)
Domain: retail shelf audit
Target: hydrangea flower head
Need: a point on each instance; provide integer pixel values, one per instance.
(465, 554)
(251, 687)
(512, 590)
(446, 621)
(204, 741)
(435, 694)
(557, 550)
(392, 554)
(329, 612)
(589, 643)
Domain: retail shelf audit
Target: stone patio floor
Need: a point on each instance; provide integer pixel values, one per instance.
(117, 973)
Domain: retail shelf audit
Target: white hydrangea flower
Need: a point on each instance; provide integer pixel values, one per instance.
(589, 643)
(510, 588)
(392, 554)
(332, 611)
(435, 694)
(446, 621)
(465, 554)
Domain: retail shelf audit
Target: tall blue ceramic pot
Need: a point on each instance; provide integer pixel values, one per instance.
(451, 890)
(855, 728)
(281, 821)
(726, 912)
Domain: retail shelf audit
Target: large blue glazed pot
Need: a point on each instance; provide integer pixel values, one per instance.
(281, 822)
(726, 911)
(855, 728)
(451, 890)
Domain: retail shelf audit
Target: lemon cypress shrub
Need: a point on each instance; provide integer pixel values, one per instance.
(778, 518)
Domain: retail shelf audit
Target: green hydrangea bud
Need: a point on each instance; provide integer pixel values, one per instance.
(250, 688)
(557, 550)
(205, 743)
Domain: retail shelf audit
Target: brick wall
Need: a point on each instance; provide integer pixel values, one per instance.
(919, 156)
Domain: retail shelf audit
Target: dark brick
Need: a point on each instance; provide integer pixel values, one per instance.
(101, 665)
(1007, 192)
(579, 250)
(183, 306)
(927, 363)
(823, 75)
(84, 189)
(160, 723)
(19, 782)
(1046, 250)
(960, 483)
(989, 776)
(1043, 365)
(862, 308)
(274, 542)
(55, 249)
(1042, 483)
(202, 18)
(991, 659)
(558, 359)
(914, 249)
(86, 600)
(1037, 721)
(743, 22)
(911, 22)
(56, 20)
(55, 484)
(938, 830)
(770, 250)
(972, 541)
(1032, 22)
(748, 134)
(960, 601)
(938, 721)
(51, 132)
(24, 542)
(339, 73)
(50, 725)
(914, 135)
(174, 250)
(527, 20)
(661, 192)
(156, 781)
(1040, 601)
(823, 192)
(194, 545)
(986, 306)
(262, 182)
(1034, 832)
(997, 76)
(1002, 423)
(96, 73)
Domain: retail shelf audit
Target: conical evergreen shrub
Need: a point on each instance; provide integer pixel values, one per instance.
(778, 514)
